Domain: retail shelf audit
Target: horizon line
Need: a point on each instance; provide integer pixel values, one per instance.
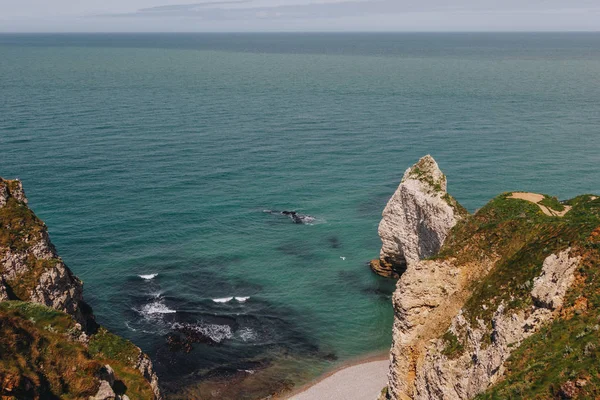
(286, 32)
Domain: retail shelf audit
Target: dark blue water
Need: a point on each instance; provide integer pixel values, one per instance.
(157, 154)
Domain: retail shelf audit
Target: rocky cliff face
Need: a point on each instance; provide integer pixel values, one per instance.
(442, 374)
(31, 271)
(417, 219)
(505, 277)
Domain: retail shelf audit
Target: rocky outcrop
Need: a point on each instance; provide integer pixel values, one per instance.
(144, 365)
(3, 290)
(431, 292)
(480, 364)
(428, 294)
(458, 317)
(30, 268)
(550, 287)
(417, 219)
(32, 271)
(106, 391)
(12, 189)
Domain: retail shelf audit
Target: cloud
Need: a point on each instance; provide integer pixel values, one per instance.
(229, 10)
(215, 11)
(175, 10)
(190, 7)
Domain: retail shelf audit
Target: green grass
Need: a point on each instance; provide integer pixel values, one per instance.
(18, 225)
(522, 237)
(20, 228)
(454, 347)
(552, 203)
(107, 345)
(568, 349)
(40, 358)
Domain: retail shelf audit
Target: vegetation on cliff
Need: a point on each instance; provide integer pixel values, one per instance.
(520, 236)
(561, 360)
(50, 344)
(507, 308)
(43, 356)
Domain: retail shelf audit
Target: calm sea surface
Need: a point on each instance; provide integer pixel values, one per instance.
(157, 154)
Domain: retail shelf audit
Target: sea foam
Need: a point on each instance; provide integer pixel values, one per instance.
(223, 300)
(157, 307)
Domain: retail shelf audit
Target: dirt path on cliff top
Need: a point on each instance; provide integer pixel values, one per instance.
(536, 198)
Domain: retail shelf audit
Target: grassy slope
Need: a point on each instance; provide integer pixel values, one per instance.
(19, 229)
(519, 234)
(40, 358)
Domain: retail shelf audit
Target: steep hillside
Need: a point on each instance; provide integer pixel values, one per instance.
(507, 309)
(50, 344)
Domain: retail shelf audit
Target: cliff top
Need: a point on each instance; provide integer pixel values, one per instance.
(427, 171)
(521, 231)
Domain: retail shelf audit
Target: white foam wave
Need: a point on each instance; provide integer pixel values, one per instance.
(129, 327)
(223, 300)
(156, 295)
(247, 335)
(215, 332)
(158, 307)
(242, 299)
(148, 276)
(248, 371)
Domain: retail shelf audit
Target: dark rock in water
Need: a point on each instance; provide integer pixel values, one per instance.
(330, 357)
(294, 216)
(334, 242)
(181, 339)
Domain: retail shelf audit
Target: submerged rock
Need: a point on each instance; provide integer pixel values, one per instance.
(183, 338)
(417, 219)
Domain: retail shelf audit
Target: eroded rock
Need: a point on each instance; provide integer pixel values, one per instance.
(429, 298)
(417, 218)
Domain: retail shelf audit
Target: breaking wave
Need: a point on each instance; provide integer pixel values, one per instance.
(240, 299)
(157, 307)
(223, 300)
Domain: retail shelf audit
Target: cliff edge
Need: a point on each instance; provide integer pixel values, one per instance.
(50, 344)
(508, 307)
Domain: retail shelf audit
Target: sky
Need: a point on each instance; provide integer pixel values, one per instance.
(297, 15)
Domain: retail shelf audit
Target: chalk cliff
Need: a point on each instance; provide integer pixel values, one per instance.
(417, 218)
(505, 308)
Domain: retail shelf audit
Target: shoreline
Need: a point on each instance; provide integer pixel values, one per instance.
(327, 376)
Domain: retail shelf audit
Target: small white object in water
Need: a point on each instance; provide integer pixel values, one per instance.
(242, 299)
(148, 277)
(343, 258)
(223, 300)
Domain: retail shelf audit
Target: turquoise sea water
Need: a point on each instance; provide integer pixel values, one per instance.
(157, 154)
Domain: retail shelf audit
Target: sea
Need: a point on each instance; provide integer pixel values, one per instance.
(161, 164)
